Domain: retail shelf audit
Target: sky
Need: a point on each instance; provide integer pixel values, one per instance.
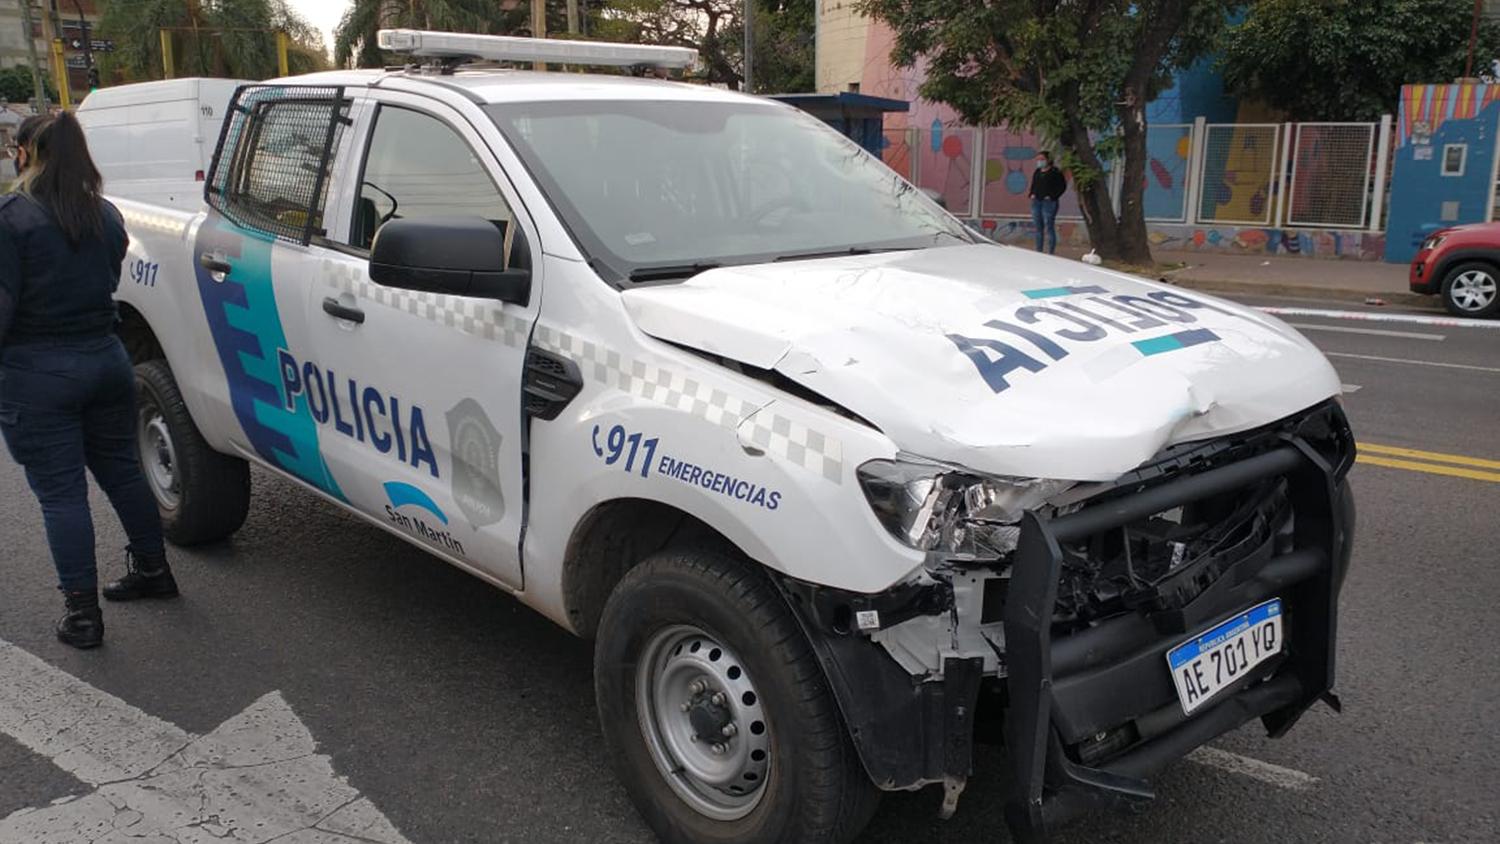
(323, 14)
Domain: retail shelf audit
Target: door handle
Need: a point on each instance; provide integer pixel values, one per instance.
(213, 264)
(332, 307)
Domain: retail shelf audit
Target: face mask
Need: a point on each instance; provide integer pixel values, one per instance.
(1041, 164)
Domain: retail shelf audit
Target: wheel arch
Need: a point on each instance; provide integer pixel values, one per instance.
(1457, 258)
(136, 333)
(613, 537)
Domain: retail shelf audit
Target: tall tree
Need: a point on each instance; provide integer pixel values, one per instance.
(713, 27)
(354, 39)
(1079, 72)
(1347, 59)
(212, 37)
(785, 55)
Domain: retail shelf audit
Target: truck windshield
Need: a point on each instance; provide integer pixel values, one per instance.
(655, 191)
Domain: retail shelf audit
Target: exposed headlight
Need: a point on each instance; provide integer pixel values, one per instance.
(1432, 242)
(933, 507)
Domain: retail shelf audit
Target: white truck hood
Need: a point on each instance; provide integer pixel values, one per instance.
(998, 359)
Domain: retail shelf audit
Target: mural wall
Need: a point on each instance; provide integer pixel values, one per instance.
(931, 145)
(1444, 162)
(1228, 240)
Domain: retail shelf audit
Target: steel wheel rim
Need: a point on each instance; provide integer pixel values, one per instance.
(689, 684)
(1474, 290)
(158, 456)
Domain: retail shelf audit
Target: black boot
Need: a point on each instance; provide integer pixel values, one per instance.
(146, 578)
(83, 626)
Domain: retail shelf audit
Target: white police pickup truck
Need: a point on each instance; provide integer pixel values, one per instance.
(837, 487)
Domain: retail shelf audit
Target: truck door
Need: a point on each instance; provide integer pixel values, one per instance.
(424, 390)
(266, 194)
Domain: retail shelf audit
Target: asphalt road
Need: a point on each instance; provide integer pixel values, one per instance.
(465, 717)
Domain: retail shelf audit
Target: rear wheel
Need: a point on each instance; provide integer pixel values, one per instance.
(715, 711)
(202, 495)
(1472, 290)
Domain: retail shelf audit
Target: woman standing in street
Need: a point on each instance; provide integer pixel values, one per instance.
(67, 390)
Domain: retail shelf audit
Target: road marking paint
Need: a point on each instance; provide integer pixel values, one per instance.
(1376, 332)
(1287, 778)
(1365, 316)
(256, 778)
(1414, 362)
(1430, 468)
(1350, 388)
(1431, 456)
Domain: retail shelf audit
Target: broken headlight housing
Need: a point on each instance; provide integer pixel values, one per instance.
(949, 510)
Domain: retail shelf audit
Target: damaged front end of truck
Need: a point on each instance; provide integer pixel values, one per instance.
(1046, 613)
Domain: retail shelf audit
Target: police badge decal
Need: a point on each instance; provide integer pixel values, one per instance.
(476, 464)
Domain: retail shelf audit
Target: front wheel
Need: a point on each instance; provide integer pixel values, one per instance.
(202, 495)
(715, 712)
(1472, 290)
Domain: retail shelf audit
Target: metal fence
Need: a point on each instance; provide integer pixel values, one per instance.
(1333, 165)
(1309, 175)
(1238, 179)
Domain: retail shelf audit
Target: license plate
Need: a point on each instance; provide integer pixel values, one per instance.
(1208, 663)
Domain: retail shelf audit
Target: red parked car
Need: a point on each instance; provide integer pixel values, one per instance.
(1462, 265)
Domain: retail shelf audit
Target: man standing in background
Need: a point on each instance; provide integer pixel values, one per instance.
(1047, 187)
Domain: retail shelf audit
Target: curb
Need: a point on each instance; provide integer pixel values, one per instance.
(1309, 291)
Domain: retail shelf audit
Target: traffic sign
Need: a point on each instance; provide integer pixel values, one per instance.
(96, 45)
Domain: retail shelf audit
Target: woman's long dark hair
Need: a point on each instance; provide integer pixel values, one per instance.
(62, 177)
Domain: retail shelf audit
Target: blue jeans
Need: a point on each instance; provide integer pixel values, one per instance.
(67, 405)
(1044, 216)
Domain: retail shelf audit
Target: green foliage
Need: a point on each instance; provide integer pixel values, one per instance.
(1071, 71)
(1347, 59)
(234, 38)
(17, 86)
(354, 38)
(784, 31)
(784, 60)
(713, 27)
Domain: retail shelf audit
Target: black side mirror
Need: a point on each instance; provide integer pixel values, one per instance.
(459, 256)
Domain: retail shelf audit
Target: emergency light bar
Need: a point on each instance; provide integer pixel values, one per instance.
(458, 45)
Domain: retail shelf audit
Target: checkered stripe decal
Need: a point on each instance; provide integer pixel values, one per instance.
(159, 223)
(793, 441)
(812, 450)
(472, 316)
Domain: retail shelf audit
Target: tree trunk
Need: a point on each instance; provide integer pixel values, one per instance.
(1093, 195)
(1135, 248)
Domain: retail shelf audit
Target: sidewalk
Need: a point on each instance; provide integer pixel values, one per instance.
(1273, 275)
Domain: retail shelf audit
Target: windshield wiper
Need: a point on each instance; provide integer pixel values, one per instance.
(840, 253)
(668, 272)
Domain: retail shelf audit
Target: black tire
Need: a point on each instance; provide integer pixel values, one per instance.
(212, 490)
(1486, 276)
(815, 788)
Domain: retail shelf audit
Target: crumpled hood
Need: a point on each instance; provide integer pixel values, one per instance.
(999, 359)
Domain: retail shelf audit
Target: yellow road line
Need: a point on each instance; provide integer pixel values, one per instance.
(1431, 468)
(1431, 456)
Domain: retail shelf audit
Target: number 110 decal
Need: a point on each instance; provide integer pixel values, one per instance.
(618, 444)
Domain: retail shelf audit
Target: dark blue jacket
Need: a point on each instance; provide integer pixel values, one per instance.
(49, 289)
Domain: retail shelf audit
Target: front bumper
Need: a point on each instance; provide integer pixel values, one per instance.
(1422, 277)
(1109, 682)
(1088, 711)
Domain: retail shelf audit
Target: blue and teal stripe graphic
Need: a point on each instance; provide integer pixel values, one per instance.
(1054, 292)
(246, 328)
(1173, 342)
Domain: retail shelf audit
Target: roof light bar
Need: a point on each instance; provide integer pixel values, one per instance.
(456, 45)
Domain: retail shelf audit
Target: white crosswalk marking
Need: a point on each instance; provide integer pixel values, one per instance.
(256, 778)
(1287, 778)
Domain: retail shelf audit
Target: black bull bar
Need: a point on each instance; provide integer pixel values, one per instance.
(1066, 689)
